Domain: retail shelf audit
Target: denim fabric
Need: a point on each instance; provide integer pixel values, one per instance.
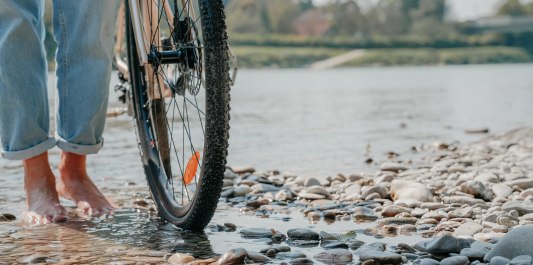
(84, 31)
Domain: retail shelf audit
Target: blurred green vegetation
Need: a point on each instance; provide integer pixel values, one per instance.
(295, 33)
(282, 57)
(427, 56)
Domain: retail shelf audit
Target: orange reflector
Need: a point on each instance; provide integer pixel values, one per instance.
(192, 167)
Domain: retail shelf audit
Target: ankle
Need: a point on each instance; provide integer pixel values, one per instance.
(37, 169)
(38, 175)
(72, 165)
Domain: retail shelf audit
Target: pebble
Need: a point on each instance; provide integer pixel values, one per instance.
(498, 260)
(513, 244)
(34, 258)
(468, 229)
(522, 260)
(179, 258)
(477, 250)
(301, 261)
(308, 182)
(393, 210)
(380, 190)
(302, 234)
(502, 190)
(442, 245)
(290, 255)
(356, 244)
(234, 256)
(335, 256)
(381, 257)
(523, 183)
(394, 167)
(243, 169)
(404, 189)
(318, 190)
(333, 244)
(455, 260)
(283, 195)
(256, 233)
(426, 261)
(310, 196)
(522, 207)
(257, 257)
(7, 217)
(241, 190)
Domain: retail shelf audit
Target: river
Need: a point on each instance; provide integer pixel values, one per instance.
(315, 123)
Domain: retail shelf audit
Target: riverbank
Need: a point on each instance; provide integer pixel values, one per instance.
(301, 57)
(463, 198)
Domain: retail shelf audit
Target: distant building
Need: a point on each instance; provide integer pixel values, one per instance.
(314, 22)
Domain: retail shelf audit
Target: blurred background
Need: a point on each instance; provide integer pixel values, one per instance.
(329, 86)
(298, 33)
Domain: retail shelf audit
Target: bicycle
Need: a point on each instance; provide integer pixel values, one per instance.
(176, 82)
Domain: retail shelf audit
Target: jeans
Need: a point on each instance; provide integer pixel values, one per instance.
(84, 31)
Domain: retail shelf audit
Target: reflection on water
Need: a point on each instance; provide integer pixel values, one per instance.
(310, 122)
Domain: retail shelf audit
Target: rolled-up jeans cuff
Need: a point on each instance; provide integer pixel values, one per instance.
(79, 149)
(30, 152)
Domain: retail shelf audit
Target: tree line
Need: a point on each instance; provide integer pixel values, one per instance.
(351, 17)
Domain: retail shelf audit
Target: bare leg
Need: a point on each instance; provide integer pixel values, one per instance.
(76, 185)
(41, 196)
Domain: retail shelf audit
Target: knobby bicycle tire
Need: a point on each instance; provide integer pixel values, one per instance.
(148, 115)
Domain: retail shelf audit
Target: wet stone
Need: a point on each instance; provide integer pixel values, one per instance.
(302, 234)
(304, 243)
(234, 256)
(271, 253)
(7, 217)
(301, 261)
(397, 221)
(426, 261)
(256, 233)
(34, 258)
(381, 257)
(335, 256)
(332, 244)
(455, 260)
(290, 255)
(442, 245)
(356, 244)
(257, 257)
(327, 236)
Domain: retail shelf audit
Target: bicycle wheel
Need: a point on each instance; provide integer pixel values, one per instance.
(183, 135)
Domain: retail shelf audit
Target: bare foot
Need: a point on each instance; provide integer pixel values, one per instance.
(76, 185)
(41, 196)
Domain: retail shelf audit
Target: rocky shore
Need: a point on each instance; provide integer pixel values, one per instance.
(473, 203)
(463, 204)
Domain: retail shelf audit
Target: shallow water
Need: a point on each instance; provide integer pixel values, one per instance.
(307, 122)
